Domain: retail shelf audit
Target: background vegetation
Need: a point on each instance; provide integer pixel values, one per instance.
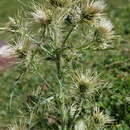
(113, 64)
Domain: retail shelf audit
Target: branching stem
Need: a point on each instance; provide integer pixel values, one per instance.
(58, 56)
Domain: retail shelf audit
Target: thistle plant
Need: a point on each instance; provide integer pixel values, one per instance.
(51, 39)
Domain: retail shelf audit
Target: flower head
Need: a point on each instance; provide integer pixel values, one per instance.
(6, 51)
(40, 15)
(93, 9)
(105, 28)
(100, 118)
(87, 82)
(96, 6)
(18, 49)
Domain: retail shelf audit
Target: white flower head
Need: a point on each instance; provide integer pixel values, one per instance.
(99, 5)
(105, 28)
(14, 50)
(106, 24)
(95, 6)
(6, 51)
(93, 10)
(39, 15)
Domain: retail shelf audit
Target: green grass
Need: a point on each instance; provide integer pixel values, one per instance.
(8, 8)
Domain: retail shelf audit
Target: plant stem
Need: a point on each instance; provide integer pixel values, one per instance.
(58, 56)
(71, 30)
(58, 65)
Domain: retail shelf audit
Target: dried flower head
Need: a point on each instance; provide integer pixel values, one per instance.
(96, 6)
(22, 48)
(6, 51)
(93, 9)
(40, 15)
(105, 29)
(87, 82)
(16, 50)
(100, 118)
